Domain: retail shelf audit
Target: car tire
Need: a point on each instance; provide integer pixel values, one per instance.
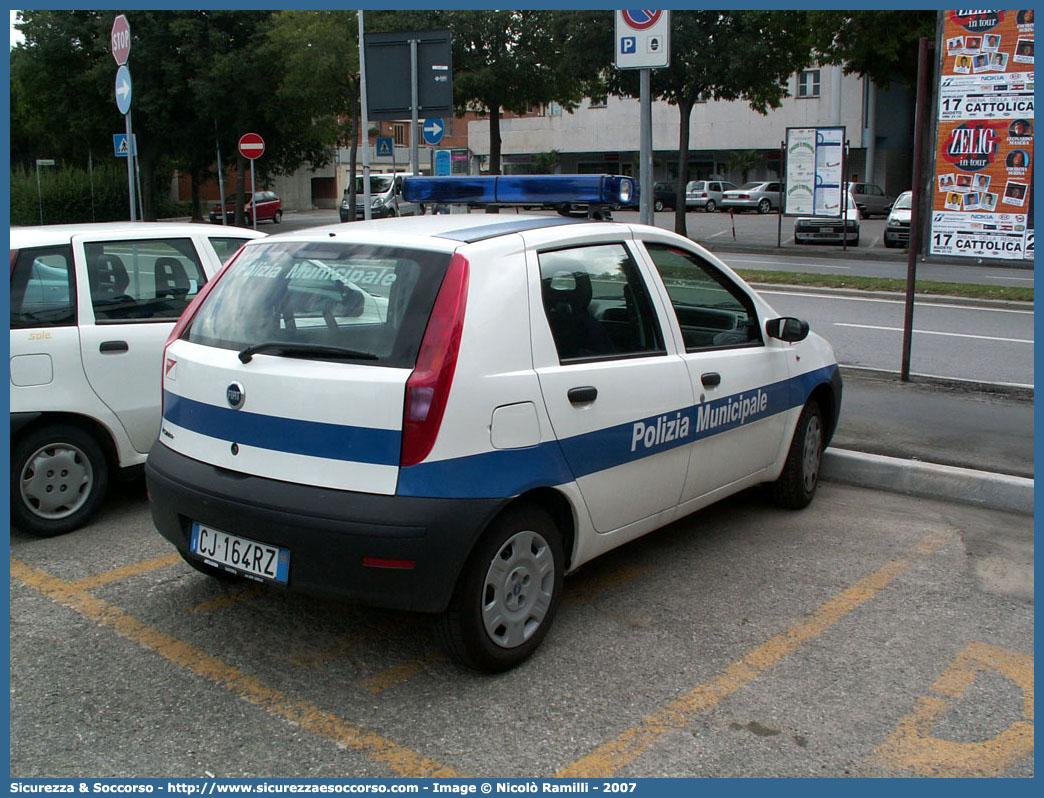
(59, 476)
(277, 217)
(797, 484)
(658, 205)
(710, 206)
(764, 206)
(209, 570)
(507, 594)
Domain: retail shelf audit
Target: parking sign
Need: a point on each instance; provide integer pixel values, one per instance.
(643, 39)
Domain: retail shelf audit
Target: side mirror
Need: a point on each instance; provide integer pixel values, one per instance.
(787, 329)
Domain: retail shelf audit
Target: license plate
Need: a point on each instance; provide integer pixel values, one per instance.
(240, 554)
(827, 230)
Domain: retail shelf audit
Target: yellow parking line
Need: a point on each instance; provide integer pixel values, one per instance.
(119, 574)
(611, 756)
(398, 674)
(397, 758)
(245, 593)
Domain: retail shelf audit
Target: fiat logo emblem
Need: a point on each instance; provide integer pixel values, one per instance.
(236, 395)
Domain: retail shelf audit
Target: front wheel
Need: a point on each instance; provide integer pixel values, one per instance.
(507, 594)
(797, 485)
(59, 476)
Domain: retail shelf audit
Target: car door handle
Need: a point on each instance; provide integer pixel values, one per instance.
(113, 346)
(711, 379)
(584, 395)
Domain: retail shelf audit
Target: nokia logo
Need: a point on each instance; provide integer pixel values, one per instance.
(235, 395)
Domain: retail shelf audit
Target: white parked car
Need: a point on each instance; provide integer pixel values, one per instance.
(91, 306)
(706, 194)
(897, 228)
(830, 229)
(528, 393)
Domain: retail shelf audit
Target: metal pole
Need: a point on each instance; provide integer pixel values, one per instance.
(90, 171)
(130, 165)
(367, 213)
(253, 196)
(781, 177)
(645, 181)
(39, 191)
(917, 213)
(414, 119)
(221, 176)
(844, 196)
(137, 178)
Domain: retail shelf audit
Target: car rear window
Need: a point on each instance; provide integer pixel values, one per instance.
(371, 303)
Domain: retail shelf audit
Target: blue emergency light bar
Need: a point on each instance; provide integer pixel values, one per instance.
(614, 191)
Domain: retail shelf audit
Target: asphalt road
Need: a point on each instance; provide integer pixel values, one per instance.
(869, 635)
(955, 341)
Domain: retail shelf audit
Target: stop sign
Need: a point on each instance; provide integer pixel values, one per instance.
(251, 146)
(120, 39)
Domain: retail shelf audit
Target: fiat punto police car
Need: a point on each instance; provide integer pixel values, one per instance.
(448, 413)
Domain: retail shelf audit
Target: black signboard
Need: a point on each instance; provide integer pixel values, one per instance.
(388, 86)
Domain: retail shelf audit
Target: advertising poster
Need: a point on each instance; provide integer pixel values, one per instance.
(815, 157)
(983, 183)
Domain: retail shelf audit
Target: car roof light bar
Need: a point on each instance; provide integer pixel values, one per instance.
(610, 190)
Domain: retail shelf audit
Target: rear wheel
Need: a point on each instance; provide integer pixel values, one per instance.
(797, 485)
(710, 206)
(277, 217)
(764, 206)
(507, 594)
(59, 476)
(658, 205)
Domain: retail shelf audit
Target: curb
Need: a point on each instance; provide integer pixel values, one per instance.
(929, 480)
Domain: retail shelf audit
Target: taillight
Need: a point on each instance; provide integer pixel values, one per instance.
(704, 195)
(428, 387)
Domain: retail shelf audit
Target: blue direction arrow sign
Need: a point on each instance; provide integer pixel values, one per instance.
(385, 148)
(433, 129)
(123, 89)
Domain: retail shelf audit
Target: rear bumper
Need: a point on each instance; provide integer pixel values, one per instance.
(327, 532)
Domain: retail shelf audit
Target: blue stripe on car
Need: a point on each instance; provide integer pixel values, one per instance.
(294, 436)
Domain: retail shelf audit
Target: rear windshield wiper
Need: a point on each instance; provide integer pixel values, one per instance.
(304, 350)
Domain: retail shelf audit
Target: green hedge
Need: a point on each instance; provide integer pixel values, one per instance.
(65, 194)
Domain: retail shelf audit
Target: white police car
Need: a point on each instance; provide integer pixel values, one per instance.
(448, 413)
(91, 306)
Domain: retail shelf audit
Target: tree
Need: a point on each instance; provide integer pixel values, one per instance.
(744, 161)
(879, 45)
(724, 55)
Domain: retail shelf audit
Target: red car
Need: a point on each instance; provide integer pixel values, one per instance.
(269, 209)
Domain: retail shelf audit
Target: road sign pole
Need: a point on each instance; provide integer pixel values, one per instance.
(137, 177)
(253, 196)
(415, 112)
(221, 176)
(645, 182)
(367, 213)
(130, 165)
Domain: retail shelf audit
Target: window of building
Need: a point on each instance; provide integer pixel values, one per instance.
(808, 83)
(400, 132)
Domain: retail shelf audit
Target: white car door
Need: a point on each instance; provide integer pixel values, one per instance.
(135, 291)
(743, 395)
(613, 391)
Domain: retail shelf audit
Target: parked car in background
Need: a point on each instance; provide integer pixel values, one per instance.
(664, 196)
(385, 199)
(706, 194)
(897, 228)
(761, 196)
(267, 204)
(835, 230)
(91, 307)
(871, 199)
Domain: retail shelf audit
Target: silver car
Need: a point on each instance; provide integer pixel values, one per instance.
(761, 196)
(870, 199)
(706, 194)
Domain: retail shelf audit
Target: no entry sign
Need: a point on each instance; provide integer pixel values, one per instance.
(251, 146)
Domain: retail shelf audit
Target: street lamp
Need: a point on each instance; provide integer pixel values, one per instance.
(39, 194)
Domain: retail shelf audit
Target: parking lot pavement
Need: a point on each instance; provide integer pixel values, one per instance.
(869, 635)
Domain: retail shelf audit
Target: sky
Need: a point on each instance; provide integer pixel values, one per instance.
(16, 37)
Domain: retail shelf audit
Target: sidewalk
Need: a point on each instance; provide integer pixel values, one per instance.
(941, 439)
